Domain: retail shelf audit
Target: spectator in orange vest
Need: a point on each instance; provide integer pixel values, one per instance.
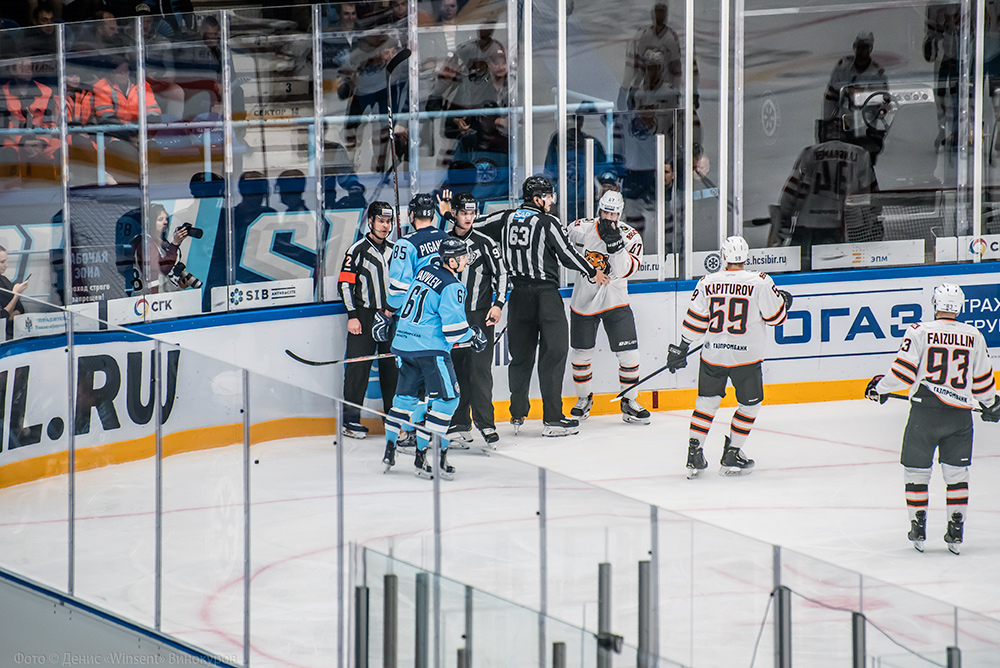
(25, 104)
(116, 97)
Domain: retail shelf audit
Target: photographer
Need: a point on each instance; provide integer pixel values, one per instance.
(163, 271)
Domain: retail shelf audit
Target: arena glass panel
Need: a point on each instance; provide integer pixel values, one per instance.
(889, 109)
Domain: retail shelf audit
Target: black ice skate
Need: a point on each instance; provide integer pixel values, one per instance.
(517, 422)
(407, 441)
(633, 412)
(563, 427)
(918, 530)
(696, 459)
(421, 467)
(447, 470)
(389, 458)
(459, 437)
(733, 462)
(581, 411)
(491, 437)
(355, 430)
(955, 530)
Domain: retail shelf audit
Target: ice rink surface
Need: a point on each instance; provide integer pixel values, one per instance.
(827, 485)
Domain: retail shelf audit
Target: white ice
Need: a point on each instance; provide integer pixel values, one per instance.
(827, 487)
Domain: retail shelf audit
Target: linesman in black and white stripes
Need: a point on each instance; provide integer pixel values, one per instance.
(363, 282)
(485, 280)
(534, 245)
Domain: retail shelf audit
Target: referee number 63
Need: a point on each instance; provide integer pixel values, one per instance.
(518, 236)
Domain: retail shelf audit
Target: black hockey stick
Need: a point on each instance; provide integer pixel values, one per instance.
(393, 64)
(655, 373)
(350, 360)
(906, 398)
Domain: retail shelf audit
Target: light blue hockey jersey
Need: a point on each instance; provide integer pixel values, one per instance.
(409, 255)
(432, 318)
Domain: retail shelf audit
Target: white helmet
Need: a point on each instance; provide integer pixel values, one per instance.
(612, 202)
(948, 298)
(735, 250)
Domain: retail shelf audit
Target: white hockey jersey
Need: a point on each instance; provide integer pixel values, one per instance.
(731, 310)
(947, 357)
(589, 298)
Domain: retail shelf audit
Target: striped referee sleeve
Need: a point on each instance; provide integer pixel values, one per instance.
(568, 256)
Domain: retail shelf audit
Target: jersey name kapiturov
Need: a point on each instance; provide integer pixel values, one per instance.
(589, 298)
(947, 357)
(432, 317)
(731, 310)
(363, 278)
(411, 254)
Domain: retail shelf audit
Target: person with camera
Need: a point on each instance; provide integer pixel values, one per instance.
(363, 282)
(156, 260)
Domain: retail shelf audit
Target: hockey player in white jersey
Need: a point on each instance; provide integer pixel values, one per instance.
(616, 248)
(731, 309)
(945, 367)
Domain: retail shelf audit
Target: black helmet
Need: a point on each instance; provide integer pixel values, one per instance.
(536, 186)
(464, 202)
(377, 208)
(422, 206)
(452, 248)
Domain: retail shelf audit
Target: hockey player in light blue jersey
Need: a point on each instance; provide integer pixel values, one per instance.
(410, 254)
(414, 251)
(431, 321)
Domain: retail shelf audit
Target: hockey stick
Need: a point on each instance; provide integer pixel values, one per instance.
(351, 360)
(648, 376)
(906, 398)
(393, 64)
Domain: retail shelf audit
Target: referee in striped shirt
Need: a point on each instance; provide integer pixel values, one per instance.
(364, 279)
(485, 280)
(534, 245)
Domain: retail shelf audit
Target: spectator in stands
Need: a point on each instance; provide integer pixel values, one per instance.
(102, 33)
(368, 86)
(116, 102)
(156, 258)
(42, 39)
(160, 72)
(337, 48)
(576, 143)
(25, 104)
(447, 13)
(10, 295)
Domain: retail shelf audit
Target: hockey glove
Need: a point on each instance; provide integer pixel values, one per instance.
(677, 356)
(992, 413)
(479, 340)
(382, 326)
(611, 235)
(872, 394)
(787, 296)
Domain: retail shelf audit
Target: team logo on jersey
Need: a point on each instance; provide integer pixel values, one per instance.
(486, 171)
(713, 262)
(597, 260)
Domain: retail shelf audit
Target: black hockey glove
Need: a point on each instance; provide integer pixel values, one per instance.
(872, 394)
(479, 340)
(992, 413)
(382, 326)
(677, 356)
(610, 234)
(787, 296)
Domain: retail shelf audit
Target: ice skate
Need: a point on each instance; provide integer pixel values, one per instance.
(953, 537)
(517, 423)
(563, 427)
(491, 437)
(918, 530)
(733, 462)
(447, 470)
(633, 412)
(696, 459)
(355, 430)
(407, 441)
(421, 467)
(581, 411)
(389, 458)
(459, 437)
